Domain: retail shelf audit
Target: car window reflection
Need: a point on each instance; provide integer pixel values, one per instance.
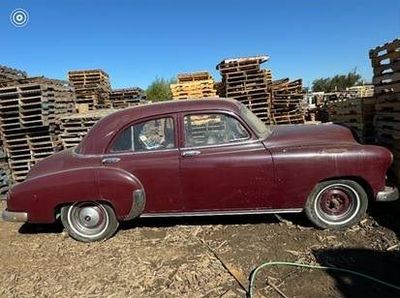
(146, 136)
(213, 129)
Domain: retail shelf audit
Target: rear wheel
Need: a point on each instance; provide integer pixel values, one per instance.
(89, 221)
(337, 204)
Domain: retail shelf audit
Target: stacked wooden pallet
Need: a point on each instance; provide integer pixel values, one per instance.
(193, 85)
(63, 92)
(245, 81)
(361, 91)
(74, 127)
(4, 171)
(92, 88)
(7, 74)
(122, 98)
(268, 75)
(385, 61)
(286, 102)
(356, 114)
(28, 112)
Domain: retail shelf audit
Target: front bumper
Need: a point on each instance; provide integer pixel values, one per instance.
(388, 194)
(14, 216)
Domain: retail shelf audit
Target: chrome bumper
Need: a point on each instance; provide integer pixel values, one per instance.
(388, 194)
(14, 216)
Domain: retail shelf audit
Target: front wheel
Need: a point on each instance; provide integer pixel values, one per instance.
(337, 204)
(89, 221)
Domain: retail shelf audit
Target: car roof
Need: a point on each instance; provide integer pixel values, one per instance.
(97, 139)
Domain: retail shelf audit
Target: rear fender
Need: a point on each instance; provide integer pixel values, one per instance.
(119, 187)
(39, 196)
(42, 195)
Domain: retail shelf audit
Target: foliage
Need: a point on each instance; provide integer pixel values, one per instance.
(159, 90)
(337, 83)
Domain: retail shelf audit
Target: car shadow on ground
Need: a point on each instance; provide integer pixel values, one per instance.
(198, 221)
(54, 228)
(382, 265)
(297, 219)
(387, 215)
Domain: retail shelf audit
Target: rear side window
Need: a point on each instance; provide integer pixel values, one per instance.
(150, 135)
(213, 129)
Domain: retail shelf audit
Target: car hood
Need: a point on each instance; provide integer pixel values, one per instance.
(308, 135)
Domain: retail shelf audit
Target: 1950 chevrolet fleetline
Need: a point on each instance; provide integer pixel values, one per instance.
(201, 157)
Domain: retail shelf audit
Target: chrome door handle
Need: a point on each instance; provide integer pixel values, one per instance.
(110, 160)
(190, 153)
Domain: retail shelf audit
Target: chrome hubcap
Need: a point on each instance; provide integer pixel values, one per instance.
(88, 219)
(337, 204)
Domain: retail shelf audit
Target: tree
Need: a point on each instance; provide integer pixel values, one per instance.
(159, 90)
(337, 83)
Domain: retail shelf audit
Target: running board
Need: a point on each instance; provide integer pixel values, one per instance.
(217, 213)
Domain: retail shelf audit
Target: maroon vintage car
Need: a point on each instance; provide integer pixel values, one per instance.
(201, 157)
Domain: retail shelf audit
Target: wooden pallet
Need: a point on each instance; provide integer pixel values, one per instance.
(390, 51)
(193, 85)
(8, 74)
(74, 127)
(92, 87)
(122, 98)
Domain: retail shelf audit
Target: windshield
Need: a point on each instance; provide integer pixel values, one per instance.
(256, 124)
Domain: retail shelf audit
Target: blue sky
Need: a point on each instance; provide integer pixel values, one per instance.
(135, 41)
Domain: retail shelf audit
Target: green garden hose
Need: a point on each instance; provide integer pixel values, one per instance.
(255, 271)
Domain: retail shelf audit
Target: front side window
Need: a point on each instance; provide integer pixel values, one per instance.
(213, 129)
(146, 136)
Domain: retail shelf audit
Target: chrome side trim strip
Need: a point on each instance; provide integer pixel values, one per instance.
(217, 213)
(247, 142)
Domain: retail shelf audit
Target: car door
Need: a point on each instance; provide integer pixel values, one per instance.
(148, 149)
(224, 167)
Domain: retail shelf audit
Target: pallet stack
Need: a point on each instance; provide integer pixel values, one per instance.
(193, 85)
(385, 61)
(268, 76)
(74, 127)
(92, 88)
(28, 111)
(356, 114)
(361, 91)
(245, 81)
(7, 74)
(122, 98)
(286, 102)
(4, 171)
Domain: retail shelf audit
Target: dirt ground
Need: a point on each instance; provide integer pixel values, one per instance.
(202, 257)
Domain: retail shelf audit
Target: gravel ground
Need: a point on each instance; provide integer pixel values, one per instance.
(201, 257)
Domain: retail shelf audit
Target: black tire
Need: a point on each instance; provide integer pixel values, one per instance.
(89, 221)
(336, 204)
